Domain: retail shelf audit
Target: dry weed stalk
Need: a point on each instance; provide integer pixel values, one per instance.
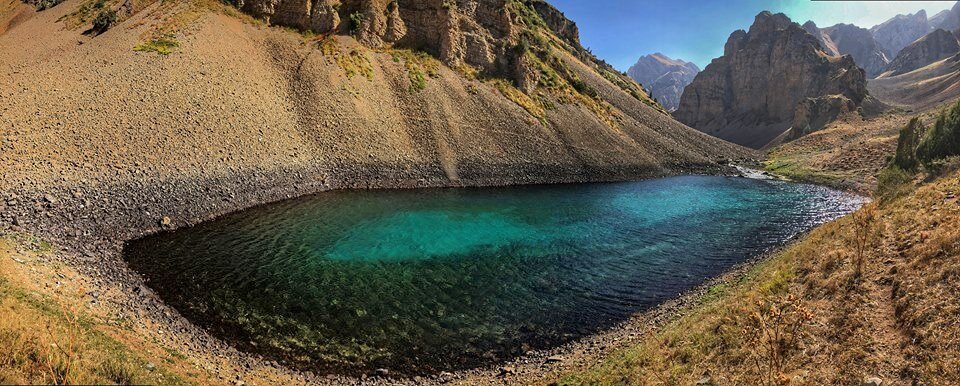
(773, 331)
(61, 357)
(863, 230)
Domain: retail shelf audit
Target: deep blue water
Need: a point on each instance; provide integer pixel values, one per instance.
(419, 281)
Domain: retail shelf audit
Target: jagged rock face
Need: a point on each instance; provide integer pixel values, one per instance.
(898, 32)
(480, 33)
(751, 94)
(948, 20)
(558, 23)
(936, 46)
(664, 77)
(817, 112)
(848, 39)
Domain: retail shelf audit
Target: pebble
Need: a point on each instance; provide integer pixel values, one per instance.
(554, 359)
(872, 381)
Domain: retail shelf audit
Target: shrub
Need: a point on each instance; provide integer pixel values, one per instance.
(356, 22)
(104, 20)
(942, 140)
(906, 158)
(893, 182)
(162, 45)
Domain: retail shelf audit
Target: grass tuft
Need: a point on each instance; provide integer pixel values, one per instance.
(163, 45)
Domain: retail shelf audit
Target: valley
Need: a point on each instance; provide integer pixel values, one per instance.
(433, 192)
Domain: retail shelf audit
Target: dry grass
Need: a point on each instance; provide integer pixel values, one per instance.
(51, 337)
(420, 66)
(355, 62)
(848, 154)
(873, 294)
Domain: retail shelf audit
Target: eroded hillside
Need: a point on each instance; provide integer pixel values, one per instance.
(180, 103)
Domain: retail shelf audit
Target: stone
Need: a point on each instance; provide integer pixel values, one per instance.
(382, 372)
(705, 381)
(872, 381)
(554, 359)
(166, 222)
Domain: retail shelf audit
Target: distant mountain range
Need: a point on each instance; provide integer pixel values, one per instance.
(771, 79)
(780, 80)
(664, 77)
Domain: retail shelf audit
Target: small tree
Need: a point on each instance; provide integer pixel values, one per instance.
(356, 23)
(104, 20)
(864, 228)
(907, 144)
(943, 140)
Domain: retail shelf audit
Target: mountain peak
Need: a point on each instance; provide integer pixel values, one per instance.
(739, 97)
(664, 77)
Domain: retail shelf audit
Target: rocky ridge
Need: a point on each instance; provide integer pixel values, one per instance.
(771, 79)
(901, 30)
(948, 20)
(848, 39)
(664, 77)
(494, 36)
(933, 47)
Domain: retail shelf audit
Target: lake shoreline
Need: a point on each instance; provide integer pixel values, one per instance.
(101, 261)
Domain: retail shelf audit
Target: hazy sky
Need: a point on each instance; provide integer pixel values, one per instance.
(620, 31)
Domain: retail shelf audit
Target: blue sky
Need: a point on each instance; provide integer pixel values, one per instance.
(620, 31)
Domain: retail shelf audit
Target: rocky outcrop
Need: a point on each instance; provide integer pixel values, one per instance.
(664, 77)
(813, 113)
(480, 33)
(949, 19)
(848, 39)
(901, 30)
(752, 94)
(938, 45)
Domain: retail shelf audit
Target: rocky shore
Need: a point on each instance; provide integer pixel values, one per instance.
(89, 223)
(103, 142)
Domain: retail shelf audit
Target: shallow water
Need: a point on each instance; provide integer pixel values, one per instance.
(419, 281)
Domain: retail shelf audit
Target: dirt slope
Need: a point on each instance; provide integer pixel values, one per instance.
(922, 88)
(236, 100)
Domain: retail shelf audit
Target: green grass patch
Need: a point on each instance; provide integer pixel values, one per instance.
(163, 45)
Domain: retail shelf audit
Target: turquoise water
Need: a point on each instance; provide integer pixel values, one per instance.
(420, 281)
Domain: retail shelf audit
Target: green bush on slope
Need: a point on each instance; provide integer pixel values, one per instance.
(942, 140)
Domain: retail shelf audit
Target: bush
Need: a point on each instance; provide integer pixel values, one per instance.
(906, 157)
(104, 20)
(893, 182)
(356, 22)
(942, 140)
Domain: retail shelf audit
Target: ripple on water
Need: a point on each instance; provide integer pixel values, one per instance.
(426, 280)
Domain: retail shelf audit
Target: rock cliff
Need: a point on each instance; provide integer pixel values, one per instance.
(848, 39)
(753, 93)
(949, 19)
(664, 77)
(491, 35)
(936, 46)
(901, 30)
